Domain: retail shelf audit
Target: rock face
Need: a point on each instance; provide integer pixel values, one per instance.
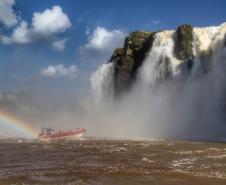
(183, 46)
(130, 58)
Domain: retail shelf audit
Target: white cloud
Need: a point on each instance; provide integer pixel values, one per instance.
(50, 21)
(59, 71)
(99, 48)
(21, 34)
(59, 44)
(103, 39)
(7, 14)
(45, 26)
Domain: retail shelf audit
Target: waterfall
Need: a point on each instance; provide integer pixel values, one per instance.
(102, 83)
(160, 61)
(160, 105)
(208, 38)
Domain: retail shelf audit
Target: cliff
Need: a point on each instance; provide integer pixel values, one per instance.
(136, 46)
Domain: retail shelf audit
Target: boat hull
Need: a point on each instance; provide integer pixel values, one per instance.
(70, 135)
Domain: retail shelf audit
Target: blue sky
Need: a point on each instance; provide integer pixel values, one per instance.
(49, 48)
(46, 57)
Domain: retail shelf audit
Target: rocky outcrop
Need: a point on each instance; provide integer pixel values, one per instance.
(183, 45)
(184, 39)
(130, 58)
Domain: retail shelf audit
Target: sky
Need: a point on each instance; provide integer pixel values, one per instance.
(48, 49)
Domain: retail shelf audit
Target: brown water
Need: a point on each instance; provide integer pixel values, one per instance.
(112, 162)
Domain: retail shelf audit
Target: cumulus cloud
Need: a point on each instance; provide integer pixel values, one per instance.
(50, 21)
(7, 15)
(59, 44)
(44, 26)
(21, 34)
(102, 39)
(59, 71)
(101, 43)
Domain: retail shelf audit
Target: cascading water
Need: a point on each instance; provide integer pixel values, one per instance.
(159, 105)
(101, 83)
(160, 61)
(208, 38)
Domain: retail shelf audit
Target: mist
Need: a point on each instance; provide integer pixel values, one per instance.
(167, 101)
(185, 105)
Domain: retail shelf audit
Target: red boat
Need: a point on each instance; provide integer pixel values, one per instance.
(50, 134)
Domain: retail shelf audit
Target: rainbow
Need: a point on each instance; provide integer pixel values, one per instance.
(11, 121)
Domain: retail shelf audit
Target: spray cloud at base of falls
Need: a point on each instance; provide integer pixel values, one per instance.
(168, 99)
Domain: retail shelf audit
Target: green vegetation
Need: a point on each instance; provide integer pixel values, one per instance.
(129, 59)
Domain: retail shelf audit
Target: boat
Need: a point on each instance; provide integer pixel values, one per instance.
(50, 134)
